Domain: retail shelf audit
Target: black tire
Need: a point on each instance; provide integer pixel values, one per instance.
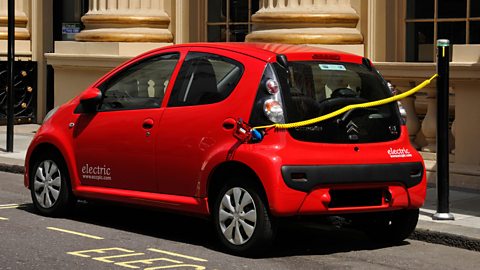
(263, 232)
(391, 227)
(64, 200)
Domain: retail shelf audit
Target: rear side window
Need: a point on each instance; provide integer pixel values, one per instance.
(205, 79)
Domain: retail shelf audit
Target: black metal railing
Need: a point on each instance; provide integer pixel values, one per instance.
(25, 85)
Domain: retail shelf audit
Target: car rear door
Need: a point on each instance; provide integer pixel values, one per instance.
(213, 86)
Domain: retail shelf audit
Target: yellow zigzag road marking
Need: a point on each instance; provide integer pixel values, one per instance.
(178, 255)
(75, 233)
(3, 218)
(8, 206)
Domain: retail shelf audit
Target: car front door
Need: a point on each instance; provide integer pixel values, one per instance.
(115, 146)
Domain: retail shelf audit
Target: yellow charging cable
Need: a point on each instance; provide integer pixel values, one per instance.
(350, 107)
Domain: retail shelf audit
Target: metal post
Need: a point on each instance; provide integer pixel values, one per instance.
(443, 62)
(11, 61)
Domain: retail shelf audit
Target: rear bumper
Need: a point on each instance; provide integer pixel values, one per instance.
(382, 197)
(345, 189)
(307, 178)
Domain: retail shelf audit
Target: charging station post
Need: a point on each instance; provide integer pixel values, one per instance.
(443, 189)
(11, 62)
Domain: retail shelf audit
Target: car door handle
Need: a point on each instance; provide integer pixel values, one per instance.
(147, 123)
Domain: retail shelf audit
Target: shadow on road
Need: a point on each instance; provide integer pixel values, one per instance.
(294, 238)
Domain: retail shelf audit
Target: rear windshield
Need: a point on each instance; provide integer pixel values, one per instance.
(312, 89)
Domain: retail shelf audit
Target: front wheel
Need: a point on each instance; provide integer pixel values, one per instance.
(391, 227)
(241, 219)
(49, 186)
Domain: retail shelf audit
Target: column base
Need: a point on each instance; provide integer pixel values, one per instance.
(443, 216)
(20, 33)
(305, 18)
(307, 36)
(23, 49)
(126, 35)
(358, 49)
(431, 148)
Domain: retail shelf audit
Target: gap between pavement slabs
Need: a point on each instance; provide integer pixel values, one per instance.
(463, 232)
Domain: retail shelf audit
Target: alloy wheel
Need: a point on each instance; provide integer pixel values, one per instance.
(47, 183)
(237, 216)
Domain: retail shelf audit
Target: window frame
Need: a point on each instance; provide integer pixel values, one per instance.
(105, 85)
(435, 20)
(227, 23)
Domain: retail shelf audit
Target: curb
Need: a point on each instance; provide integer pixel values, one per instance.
(10, 168)
(446, 239)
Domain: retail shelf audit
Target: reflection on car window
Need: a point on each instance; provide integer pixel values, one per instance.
(140, 86)
(319, 88)
(204, 79)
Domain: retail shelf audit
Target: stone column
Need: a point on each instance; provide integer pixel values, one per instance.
(21, 20)
(306, 22)
(429, 124)
(413, 124)
(126, 21)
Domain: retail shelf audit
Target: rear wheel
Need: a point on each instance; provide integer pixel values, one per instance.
(49, 186)
(391, 227)
(241, 219)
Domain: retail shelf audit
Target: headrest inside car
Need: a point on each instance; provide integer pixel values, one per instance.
(343, 92)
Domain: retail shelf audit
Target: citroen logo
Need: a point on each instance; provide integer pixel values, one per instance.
(351, 127)
(393, 130)
(352, 131)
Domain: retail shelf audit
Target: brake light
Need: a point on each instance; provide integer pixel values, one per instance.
(326, 56)
(272, 86)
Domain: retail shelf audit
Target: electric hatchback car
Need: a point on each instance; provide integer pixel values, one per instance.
(174, 128)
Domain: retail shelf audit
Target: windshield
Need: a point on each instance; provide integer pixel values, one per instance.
(317, 88)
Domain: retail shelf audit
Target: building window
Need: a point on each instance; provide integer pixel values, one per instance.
(429, 20)
(230, 20)
(67, 18)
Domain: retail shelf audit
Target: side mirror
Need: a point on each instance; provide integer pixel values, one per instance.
(90, 98)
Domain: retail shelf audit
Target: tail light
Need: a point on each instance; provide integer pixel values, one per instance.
(273, 110)
(268, 106)
(272, 87)
(272, 107)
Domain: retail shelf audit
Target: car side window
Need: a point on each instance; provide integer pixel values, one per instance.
(140, 86)
(205, 79)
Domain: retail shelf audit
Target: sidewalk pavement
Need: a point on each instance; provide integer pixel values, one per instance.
(463, 232)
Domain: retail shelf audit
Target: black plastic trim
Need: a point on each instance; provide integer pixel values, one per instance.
(409, 174)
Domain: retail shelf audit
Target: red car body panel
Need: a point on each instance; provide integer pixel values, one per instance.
(172, 167)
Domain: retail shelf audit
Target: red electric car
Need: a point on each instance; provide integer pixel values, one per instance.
(171, 129)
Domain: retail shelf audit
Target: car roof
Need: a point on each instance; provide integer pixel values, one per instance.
(268, 51)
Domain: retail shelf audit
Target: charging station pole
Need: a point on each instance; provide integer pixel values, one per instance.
(11, 61)
(443, 62)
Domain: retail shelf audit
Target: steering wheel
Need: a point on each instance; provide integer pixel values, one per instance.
(343, 92)
(339, 98)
